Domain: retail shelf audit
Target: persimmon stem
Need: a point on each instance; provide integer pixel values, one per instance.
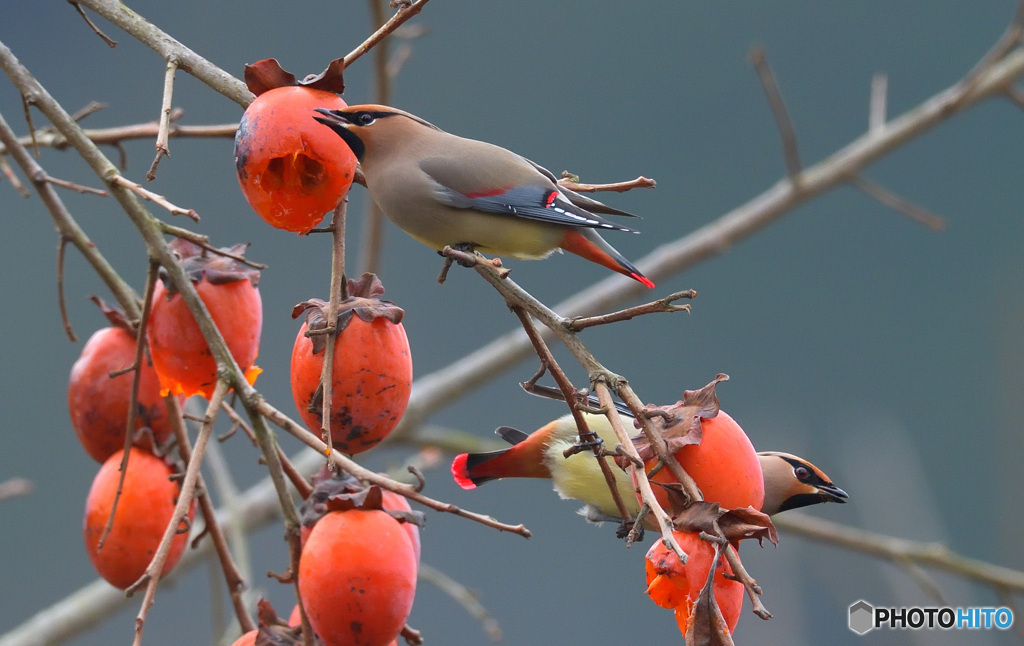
(337, 294)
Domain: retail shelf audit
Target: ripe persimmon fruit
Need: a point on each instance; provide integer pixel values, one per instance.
(292, 170)
(724, 465)
(229, 289)
(357, 578)
(99, 404)
(372, 371)
(144, 510)
(672, 584)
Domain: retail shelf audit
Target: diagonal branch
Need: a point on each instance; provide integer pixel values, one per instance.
(438, 389)
(932, 554)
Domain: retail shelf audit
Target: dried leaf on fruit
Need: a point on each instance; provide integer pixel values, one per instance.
(343, 493)
(706, 625)
(268, 74)
(363, 301)
(739, 524)
(679, 424)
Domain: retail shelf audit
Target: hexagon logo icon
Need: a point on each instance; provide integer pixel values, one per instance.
(862, 615)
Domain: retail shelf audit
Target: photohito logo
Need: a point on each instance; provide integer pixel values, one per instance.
(865, 617)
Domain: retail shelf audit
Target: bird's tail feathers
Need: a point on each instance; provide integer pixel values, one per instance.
(586, 243)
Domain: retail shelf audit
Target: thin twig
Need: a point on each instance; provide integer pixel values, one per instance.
(923, 580)
(26, 107)
(294, 475)
(62, 244)
(133, 405)
(899, 204)
(647, 497)
(78, 188)
(660, 305)
(464, 597)
(96, 30)
(153, 197)
(165, 46)
(405, 12)
(181, 511)
(232, 576)
(204, 242)
(90, 108)
(749, 584)
(5, 168)
(148, 130)
(571, 182)
(309, 439)
(790, 149)
(336, 294)
(568, 393)
(67, 227)
(165, 117)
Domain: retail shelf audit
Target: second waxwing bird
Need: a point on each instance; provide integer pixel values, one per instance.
(445, 190)
(790, 482)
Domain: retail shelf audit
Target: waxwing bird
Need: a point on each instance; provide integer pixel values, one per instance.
(446, 190)
(790, 482)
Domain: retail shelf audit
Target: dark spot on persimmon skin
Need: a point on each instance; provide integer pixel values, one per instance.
(355, 433)
(357, 627)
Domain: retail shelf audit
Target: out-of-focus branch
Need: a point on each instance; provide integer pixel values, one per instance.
(899, 550)
(438, 389)
(15, 487)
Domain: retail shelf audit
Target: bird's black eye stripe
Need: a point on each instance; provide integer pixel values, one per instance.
(805, 474)
(367, 117)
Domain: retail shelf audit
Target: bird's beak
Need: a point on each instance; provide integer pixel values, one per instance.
(832, 493)
(332, 118)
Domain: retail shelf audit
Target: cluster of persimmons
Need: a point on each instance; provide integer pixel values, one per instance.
(360, 545)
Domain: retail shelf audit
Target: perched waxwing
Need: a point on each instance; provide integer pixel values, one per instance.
(447, 190)
(789, 481)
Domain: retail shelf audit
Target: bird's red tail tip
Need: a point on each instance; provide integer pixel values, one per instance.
(647, 282)
(460, 473)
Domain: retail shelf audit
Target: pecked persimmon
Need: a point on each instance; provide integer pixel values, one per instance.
(372, 371)
(357, 578)
(672, 584)
(229, 289)
(99, 404)
(144, 510)
(292, 170)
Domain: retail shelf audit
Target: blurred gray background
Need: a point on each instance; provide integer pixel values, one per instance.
(888, 354)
